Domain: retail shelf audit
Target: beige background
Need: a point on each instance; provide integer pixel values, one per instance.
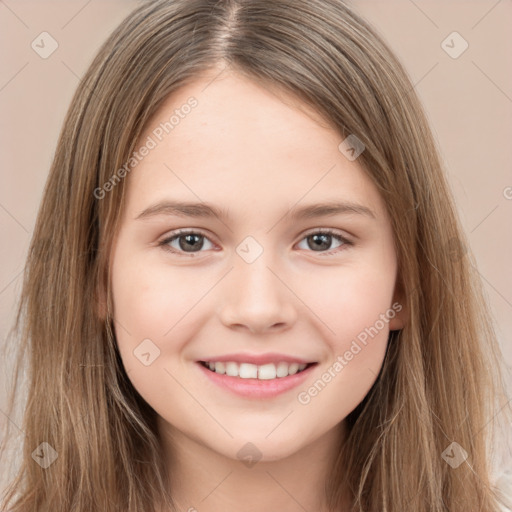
(468, 101)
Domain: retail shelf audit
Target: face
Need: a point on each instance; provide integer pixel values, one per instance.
(293, 300)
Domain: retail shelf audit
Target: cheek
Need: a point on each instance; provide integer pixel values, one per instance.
(354, 308)
(148, 305)
(150, 300)
(352, 299)
(357, 313)
(152, 308)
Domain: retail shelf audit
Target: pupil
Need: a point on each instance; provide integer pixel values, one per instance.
(189, 240)
(322, 239)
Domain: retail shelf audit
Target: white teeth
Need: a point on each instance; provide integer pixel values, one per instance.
(248, 371)
(293, 368)
(252, 371)
(232, 369)
(267, 371)
(220, 368)
(282, 369)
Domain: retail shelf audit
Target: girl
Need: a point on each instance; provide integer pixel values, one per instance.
(248, 288)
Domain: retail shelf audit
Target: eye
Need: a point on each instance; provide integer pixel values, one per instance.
(188, 242)
(322, 239)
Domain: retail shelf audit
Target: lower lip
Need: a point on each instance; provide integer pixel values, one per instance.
(256, 388)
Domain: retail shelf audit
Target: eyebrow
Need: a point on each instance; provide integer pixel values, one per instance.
(206, 210)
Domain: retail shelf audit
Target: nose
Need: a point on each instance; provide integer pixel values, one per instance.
(257, 298)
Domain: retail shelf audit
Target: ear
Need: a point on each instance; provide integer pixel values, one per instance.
(400, 307)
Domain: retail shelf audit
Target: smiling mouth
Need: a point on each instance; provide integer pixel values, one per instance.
(252, 371)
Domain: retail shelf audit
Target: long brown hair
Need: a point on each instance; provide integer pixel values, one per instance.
(440, 382)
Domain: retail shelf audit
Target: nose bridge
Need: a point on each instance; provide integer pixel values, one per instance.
(256, 297)
(252, 270)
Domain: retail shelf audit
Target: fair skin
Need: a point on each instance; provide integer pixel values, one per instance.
(260, 158)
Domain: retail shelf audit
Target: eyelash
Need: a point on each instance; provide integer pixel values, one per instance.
(177, 234)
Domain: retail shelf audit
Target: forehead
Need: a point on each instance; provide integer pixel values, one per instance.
(242, 141)
(232, 109)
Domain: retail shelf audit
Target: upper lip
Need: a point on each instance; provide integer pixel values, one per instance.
(257, 359)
